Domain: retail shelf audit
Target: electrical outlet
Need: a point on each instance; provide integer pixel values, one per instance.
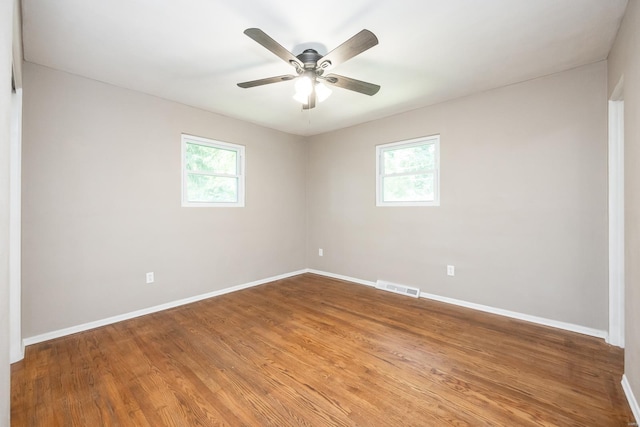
(150, 278)
(451, 270)
(320, 252)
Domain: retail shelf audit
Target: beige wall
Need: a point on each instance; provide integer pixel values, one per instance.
(6, 37)
(101, 203)
(624, 60)
(523, 213)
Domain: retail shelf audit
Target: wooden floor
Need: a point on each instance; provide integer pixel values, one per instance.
(313, 351)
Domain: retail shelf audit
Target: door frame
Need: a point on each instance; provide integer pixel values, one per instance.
(616, 217)
(16, 346)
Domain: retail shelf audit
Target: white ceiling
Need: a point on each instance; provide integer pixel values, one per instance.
(194, 51)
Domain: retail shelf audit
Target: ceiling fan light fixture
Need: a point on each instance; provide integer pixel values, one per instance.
(322, 91)
(304, 87)
(302, 99)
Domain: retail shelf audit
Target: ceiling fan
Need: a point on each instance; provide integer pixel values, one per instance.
(310, 67)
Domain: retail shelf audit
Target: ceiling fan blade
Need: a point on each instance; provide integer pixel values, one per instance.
(357, 44)
(262, 38)
(351, 84)
(266, 81)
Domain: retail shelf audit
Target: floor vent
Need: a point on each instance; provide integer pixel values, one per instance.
(398, 289)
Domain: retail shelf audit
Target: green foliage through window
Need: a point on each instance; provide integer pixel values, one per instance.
(408, 172)
(211, 159)
(211, 189)
(212, 173)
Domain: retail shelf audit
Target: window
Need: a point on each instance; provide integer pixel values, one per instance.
(408, 172)
(212, 173)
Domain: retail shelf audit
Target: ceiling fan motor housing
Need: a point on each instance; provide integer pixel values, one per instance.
(310, 58)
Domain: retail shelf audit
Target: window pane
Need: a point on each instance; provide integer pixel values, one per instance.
(409, 159)
(408, 188)
(205, 188)
(211, 159)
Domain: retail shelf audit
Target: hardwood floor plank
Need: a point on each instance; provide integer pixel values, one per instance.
(314, 351)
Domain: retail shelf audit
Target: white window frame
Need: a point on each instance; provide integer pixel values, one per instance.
(239, 149)
(380, 149)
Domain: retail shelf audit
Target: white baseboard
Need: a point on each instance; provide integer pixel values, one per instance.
(631, 398)
(16, 354)
(520, 316)
(512, 314)
(110, 320)
(341, 277)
